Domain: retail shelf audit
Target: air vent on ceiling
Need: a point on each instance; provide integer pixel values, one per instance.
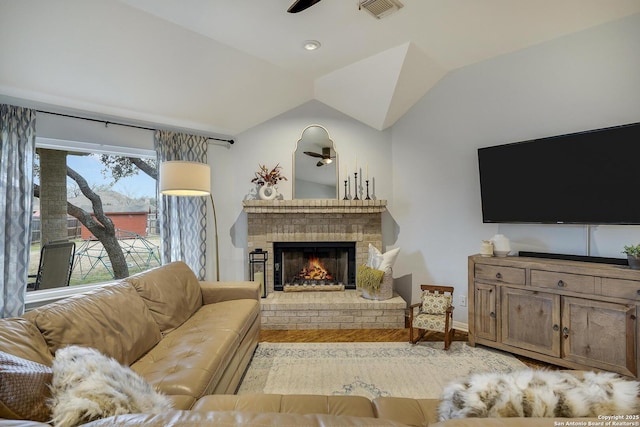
(381, 8)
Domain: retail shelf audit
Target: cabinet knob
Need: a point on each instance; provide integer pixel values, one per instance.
(492, 314)
(498, 275)
(638, 292)
(556, 328)
(561, 284)
(565, 332)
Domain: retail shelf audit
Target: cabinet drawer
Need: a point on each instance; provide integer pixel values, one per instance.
(563, 281)
(498, 273)
(620, 288)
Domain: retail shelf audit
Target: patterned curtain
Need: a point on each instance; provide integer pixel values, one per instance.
(17, 153)
(183, 220)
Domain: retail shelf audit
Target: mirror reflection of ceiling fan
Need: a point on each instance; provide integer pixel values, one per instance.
(325, 157)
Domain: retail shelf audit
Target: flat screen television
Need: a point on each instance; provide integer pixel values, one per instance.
(588, 177)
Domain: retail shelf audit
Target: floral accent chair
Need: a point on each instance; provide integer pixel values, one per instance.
(435, 313)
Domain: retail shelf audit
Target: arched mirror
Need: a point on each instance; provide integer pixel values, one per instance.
(315, 165)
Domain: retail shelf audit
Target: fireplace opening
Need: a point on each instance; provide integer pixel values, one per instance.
(314, 264)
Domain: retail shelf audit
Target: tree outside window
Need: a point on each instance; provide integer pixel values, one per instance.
(105, 203)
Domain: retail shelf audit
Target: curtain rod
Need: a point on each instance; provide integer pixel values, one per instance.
(107, 123)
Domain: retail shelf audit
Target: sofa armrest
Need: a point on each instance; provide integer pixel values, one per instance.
(213, 292)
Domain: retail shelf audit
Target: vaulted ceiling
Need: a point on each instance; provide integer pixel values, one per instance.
(225, 66)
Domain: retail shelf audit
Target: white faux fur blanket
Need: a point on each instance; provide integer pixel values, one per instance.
(540, 393)
(88, 385)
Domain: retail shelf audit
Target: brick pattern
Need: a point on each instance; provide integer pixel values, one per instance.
(357, 221)
(331, 310)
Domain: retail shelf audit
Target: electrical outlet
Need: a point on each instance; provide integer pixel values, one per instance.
(463, 300)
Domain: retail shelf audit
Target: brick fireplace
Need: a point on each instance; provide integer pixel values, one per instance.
(358, 222)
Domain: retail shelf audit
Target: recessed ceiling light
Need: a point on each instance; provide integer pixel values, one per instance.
(311, 44)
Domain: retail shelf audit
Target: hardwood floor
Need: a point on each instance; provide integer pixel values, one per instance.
(370, 335)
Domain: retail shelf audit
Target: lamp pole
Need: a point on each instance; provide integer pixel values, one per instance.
(215, 226)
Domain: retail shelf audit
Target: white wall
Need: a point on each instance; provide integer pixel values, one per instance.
(274, 142)
(583, 81)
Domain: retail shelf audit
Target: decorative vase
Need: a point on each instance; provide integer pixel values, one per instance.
(486, 249)
(268, 192)
(634, 262)
(501, 245)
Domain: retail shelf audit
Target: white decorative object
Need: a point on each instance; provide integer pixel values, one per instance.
(501, 245)
(268, 192)
(88, 385)
(380, 261)
(539, 393)
(486, 249)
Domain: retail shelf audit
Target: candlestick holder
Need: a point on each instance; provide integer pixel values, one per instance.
(355, 174)
(368, 198)
(345, 190)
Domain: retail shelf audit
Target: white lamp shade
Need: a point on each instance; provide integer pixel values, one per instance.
(180, 178)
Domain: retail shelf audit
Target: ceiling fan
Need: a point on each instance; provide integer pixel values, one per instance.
(325, 156)
(300, 5)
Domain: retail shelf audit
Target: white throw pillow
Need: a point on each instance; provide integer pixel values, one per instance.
(380, 261)
(88, 385)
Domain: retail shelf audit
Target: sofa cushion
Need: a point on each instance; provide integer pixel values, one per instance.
(191, 359)
(234, 315)
(355, 406)
(172, 293)
(22, 338)
(113, 319)
(241, 418)
(24, 388)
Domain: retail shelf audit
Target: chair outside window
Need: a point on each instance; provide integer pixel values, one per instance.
(434, 312)
(56, 264)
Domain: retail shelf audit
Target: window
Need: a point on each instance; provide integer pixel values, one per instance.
(68, 172)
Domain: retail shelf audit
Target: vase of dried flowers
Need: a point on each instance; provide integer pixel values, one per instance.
(268, 180)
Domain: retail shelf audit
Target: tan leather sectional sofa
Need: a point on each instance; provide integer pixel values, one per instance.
(193, 341)
(186, 337)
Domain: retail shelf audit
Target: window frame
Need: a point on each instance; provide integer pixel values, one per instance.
(37, 298)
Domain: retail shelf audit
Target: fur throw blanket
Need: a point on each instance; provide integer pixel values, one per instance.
(88, 385)
(540, 393)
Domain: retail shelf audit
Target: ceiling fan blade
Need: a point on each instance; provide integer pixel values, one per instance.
(312, 154)
(320, 164)
(300, 5)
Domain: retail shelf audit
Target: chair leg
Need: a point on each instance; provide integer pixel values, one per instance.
(421, 334)
(448, 337)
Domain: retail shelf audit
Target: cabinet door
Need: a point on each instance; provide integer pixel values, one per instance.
(531, 320)
(485, 314)
(599, 334)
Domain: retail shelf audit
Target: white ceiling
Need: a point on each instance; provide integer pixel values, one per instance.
(227, 65)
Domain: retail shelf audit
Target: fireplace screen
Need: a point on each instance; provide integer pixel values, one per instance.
(314, 263)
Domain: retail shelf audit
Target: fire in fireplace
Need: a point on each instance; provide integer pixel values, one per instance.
(314, 270)
(314, 263)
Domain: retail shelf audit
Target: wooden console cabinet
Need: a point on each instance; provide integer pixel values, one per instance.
(574, 314)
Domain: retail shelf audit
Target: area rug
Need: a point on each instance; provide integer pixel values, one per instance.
(368, 369)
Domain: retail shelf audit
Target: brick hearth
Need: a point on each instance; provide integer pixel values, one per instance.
(358, 221)
(331, 310)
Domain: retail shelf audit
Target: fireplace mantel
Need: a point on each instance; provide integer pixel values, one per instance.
(313, 220)
(314, 206)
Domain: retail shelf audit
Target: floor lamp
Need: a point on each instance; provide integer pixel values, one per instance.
(191, 179)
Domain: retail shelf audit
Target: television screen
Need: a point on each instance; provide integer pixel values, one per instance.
(582, 178)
